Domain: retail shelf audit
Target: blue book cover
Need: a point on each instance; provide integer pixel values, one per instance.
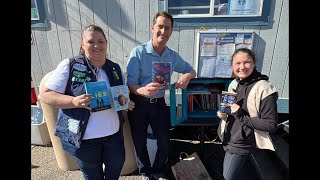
(120, 97)
(161, 73)
(100, 97)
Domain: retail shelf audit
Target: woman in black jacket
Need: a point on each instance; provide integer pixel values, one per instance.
(252, 117)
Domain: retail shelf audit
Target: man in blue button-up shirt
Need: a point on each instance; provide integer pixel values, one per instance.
(150, 106)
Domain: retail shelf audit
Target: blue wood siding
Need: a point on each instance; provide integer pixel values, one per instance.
(126, 24)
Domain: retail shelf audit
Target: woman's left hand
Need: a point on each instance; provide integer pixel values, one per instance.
(131, 105)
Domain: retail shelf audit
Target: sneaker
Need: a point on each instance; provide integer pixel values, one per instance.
(159, 176)
(145, 177)
(162, 178)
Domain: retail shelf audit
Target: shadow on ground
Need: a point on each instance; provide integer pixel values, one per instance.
(187, 139)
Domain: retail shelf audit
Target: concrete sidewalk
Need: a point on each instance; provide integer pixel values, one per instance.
(44, 166)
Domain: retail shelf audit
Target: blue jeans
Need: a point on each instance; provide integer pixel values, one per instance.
(107, 150)
(232, 165)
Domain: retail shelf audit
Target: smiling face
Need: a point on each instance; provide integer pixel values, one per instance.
(94, 45)
(242, 64)
(161, 31)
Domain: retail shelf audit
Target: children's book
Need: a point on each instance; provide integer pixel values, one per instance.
(227, 98)
(161, 73)
(120, 97)
(100, 96)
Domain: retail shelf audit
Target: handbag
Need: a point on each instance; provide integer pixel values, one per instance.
(190, 168)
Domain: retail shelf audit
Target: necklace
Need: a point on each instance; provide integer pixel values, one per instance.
(94, 70)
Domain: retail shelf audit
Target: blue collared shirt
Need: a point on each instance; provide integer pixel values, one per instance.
(139, 66)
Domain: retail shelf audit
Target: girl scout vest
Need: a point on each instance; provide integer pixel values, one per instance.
(71, 123)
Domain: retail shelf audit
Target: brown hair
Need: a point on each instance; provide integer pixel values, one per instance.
(91, 27)
(163, 14)
(245, 50)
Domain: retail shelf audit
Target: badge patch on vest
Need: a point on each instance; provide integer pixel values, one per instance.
(79, 60)
(115, 74)
(73, 125)
(78, 74)
(75, 79)
(80, 67)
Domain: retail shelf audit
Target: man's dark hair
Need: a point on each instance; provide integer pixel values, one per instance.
(163, 14)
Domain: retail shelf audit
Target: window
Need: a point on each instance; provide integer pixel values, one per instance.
(38, 14)
(222, 12)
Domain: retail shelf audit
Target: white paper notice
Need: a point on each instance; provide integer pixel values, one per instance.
(208, 47)
(207, 67)
(223, 67)
(226, 49)
(239, 39)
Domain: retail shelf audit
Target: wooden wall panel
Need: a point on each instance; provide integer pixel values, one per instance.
(115, 34)
(142, 21)
(75, 37)
(126, 24)
(65, 44)
(267, 41)
(173, 43)
(101, 19)
(74, 18)
(280, 59)
(128, 29)
(60, 13)
(43, 52)
(62, 25)
(153, 10)
(36, 69)
(186, 44)
(52, 36)
(54, 48)
(86, 13)
(285, 90)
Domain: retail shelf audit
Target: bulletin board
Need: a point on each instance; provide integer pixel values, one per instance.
(214, 51)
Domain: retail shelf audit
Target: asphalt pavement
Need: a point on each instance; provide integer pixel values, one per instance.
(44, 164)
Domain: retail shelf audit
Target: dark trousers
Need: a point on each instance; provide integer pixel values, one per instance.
(93, 153)
(158, 116)
(232, 165)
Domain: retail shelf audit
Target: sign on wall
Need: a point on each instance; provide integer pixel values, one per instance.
(215, 50)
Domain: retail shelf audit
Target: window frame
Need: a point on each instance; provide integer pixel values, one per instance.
(259, 19)
(42, 21)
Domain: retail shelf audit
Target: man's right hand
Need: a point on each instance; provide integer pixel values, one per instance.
(152, 88)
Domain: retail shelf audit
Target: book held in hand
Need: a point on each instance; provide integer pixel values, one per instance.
(100, 97)
(120, 97)
(227, 98)
(161, 73)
